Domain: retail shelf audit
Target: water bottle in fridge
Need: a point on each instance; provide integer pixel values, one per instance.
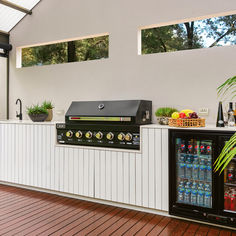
(208, 173)
(195, 169)
(202, 170)
(181, 194)
(208, 196)
(187, 193)
(181, 170)
(189, 166)
(194, 194)
(200, 195)
(187, 196)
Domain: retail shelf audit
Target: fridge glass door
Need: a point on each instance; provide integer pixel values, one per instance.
(194, 171)
(230, 187)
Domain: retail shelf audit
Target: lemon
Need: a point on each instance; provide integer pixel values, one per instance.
(175, 115)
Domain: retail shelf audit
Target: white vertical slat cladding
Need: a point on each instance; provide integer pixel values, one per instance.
(145, 170)
(165, 176)
(158, 169)
(28, 156)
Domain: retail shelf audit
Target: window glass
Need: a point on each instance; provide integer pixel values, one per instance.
(72, 51)
(217, 31)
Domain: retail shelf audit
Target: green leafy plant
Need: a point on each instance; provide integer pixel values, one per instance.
(228, 88)
(229, 150)
(226, 155)
(36, 109)
(165, 111)
(47, 105)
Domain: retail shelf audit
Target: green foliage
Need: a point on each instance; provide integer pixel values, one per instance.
(229, 150)
(36, 109)
(80, 50)
(228, 88)
(47, 105)
(226, 155)
(189, 35)
(165, 111)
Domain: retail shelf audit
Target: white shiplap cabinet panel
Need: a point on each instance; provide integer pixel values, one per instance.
(165, 175)
(28, 156)
(135, 178)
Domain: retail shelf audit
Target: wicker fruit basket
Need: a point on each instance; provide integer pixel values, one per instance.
(187, 123)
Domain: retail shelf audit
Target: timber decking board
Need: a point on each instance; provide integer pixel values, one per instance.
(25, 212)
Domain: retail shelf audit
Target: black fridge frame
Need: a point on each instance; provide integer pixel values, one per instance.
(195, 212)
(222, 138)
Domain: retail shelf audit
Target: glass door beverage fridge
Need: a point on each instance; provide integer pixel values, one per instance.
(195, 190)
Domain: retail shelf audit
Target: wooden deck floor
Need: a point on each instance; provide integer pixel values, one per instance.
(25, 212)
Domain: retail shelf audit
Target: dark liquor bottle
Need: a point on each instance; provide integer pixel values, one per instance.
(220, 117)
(230, 109)
(235, 111)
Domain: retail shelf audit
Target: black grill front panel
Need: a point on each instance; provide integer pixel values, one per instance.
(100, 136)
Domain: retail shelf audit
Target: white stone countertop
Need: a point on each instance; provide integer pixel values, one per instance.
(207, 127)
(151, 126)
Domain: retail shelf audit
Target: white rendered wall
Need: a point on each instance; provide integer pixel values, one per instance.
(184, 79)
(3, 87)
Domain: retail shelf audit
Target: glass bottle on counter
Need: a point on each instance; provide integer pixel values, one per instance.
(231, 120)
(230, 108)
(220, 117)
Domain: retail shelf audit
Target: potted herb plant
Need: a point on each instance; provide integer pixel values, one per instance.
(49, 106)
(163, 114)
(37, 113)
(228, 88)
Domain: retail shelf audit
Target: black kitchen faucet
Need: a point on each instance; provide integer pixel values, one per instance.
(19, 115)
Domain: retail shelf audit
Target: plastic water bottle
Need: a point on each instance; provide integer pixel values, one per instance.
(195, 168)
(202, 160)
(181, 165)
(187, 196)
(195, 159)
(208, 173)
(181, 195)
(194, 194)
(189, 166)
(181, 170)
(208, 200)
(202, 169)
(200, 195)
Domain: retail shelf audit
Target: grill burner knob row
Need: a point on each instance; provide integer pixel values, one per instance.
(89, 135)
(110, 136)
(99, 135)
(79, 134)
(121, 136)
(128, 137)
(69, 134)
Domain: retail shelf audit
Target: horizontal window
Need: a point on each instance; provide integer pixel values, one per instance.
(217, 31)
(64, 52)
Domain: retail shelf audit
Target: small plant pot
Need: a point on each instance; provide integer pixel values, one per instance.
(38, 117)
(163, 120)
(50, 115)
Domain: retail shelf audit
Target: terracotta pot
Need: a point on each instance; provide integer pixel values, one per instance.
(38, 117)
(50, 115)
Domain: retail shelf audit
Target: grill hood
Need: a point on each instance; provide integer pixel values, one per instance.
(122, 111)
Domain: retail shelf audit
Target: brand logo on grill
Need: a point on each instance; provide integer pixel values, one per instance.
(101, 106)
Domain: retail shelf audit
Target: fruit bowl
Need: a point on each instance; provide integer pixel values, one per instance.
(187, 123)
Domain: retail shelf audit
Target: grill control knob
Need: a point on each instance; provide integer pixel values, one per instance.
(121, 136)
(89, 135)
(69, 134)
(110, 136)
(79, 134)
(99, 135)
(128, 137)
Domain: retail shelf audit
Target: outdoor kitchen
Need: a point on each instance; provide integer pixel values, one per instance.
(103, 107)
